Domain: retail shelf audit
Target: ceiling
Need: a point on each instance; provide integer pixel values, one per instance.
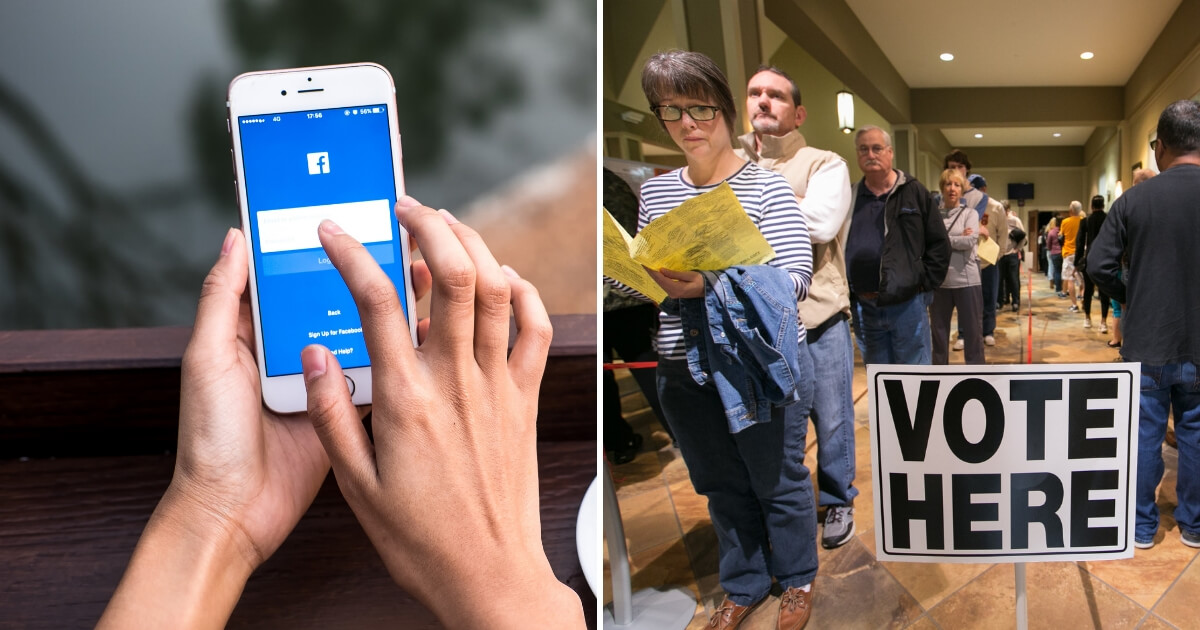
(1014, 43)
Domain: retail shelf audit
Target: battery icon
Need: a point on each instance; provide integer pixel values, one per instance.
(374, 110)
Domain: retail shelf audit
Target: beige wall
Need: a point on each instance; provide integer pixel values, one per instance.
(1103, 168)
(1183, 83)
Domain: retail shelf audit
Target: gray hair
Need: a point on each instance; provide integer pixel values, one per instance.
(887, 137)
(1075, 208)
(1179, 126)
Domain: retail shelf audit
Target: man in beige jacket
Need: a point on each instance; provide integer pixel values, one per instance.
(821, 181)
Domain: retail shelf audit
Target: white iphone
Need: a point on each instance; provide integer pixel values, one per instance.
(311, 144)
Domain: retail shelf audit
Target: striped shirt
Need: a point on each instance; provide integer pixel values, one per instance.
(771, 205)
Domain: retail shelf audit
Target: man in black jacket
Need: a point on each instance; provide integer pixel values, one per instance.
(894, 270)
(1156, 223)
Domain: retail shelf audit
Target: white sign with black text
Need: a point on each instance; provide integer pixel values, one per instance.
(1004, 463)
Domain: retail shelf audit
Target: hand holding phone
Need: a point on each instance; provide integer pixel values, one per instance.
(244, 475)
(451, 480)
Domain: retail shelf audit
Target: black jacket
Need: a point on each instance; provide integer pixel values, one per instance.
(916, 249)
(1089, 229)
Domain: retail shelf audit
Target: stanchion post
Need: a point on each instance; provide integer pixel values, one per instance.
(618, 555)
(1022, 604)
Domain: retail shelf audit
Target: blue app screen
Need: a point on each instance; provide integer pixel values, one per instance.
(300, 168)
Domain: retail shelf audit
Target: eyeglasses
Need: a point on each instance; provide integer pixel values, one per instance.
(867, 150)
(1154, 144)
(699, 113)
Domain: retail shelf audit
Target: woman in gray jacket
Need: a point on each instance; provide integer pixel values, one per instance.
(961, 289)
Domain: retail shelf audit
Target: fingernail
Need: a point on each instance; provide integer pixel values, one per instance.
(510, 272)
(450, 220)
(407, 202)
(227, 246)
(312, 359)
(330, 227)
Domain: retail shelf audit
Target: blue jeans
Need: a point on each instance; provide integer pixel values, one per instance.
(1174, 386)
(897, 334)
(833, 415)
(1056, 262)
(989, 278)
(759, 492)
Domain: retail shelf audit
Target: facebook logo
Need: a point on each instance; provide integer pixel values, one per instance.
(318, 163)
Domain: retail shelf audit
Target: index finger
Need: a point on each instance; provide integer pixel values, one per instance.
(384, 322)
(453, 300)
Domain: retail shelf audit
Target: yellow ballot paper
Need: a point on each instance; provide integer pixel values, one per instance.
(619, 266)
(988, 251)
(707, 232)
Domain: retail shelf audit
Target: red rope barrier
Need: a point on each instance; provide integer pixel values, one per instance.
(631, 366)
(1029, 337)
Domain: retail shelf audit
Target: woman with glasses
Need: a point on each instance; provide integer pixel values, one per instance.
(759, 493)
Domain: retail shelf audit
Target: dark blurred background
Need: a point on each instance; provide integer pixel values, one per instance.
(115, 176)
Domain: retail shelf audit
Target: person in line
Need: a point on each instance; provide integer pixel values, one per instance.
(448, 490)
(1140, 175)
(1156, 223)
(961, 289)
(1070, 230)
(1087, 234)
(750, 467)
(821, 181)
(1010, 262)
(629, 327)
(1054, 245)
(991, 211)
(897, 253)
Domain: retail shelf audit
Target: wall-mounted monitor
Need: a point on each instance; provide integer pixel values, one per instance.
(1020, 191)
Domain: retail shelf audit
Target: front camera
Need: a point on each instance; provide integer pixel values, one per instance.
(283, 92)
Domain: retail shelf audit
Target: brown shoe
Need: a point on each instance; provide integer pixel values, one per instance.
(729, 615)
(795, 606)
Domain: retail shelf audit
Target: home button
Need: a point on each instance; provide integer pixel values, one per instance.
(350, 384)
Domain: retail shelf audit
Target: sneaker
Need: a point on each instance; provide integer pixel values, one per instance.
(959, 345)
(1189, 539)
(1087, 323)
(839, 526)
(1103, 328)
(1143, 544)
(1016, 307)
(1061, 294)
(989, 340)
(1073, 309)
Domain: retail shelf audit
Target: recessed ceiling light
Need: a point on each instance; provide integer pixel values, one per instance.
(1058, 135)
(1086, 55)
(978, 135)
(946, 57)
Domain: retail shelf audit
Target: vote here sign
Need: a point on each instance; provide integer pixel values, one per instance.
(1004, 463)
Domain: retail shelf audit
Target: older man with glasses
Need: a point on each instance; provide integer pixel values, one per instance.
(897, 253)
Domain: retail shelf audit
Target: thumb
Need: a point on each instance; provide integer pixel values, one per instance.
(335, 419)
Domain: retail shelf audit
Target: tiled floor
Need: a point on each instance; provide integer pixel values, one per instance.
(671, 541)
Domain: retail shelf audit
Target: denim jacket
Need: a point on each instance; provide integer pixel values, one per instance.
(743, 336)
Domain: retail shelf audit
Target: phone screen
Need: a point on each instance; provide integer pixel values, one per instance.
(300, 168)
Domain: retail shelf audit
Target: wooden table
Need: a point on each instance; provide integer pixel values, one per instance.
(87, 438)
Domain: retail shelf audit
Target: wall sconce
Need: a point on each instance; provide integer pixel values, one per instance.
(845, 109)
(1118, 190)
